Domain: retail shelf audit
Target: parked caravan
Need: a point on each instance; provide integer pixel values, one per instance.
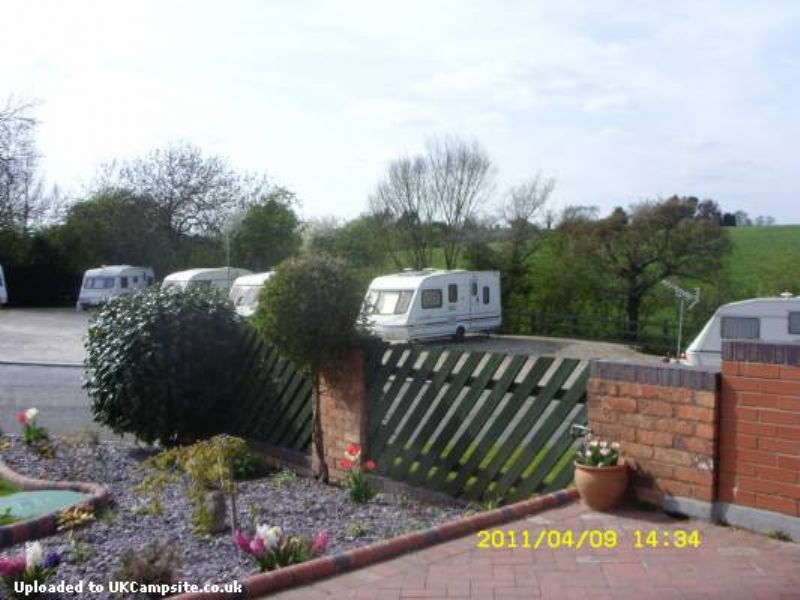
(221, 278)
(3, 289)
(772, 319)
(417, 305)
(245, 291)
(110, 281)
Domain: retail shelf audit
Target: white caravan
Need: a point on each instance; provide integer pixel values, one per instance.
(245, 291)
(416, 305)
(3, 289)
(110, 281)
(220, 278)
(771, 319)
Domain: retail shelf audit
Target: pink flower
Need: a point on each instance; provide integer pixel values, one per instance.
(369, 465)
(353, 451)
(320, 542)
(241, 541)
(346, 464)
(21, 418)
(257, 547)
(12, 566)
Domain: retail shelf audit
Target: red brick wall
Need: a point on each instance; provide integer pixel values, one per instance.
(760, 436)
(666, 433)
(343, 413)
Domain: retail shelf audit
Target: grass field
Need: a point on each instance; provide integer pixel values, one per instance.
(764, 260)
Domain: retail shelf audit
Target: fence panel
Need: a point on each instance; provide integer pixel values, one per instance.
(475, 425)
(276, 399)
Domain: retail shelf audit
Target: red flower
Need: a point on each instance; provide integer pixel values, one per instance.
(346, 464)
(353, 450)
(369, 465)
(21, 418)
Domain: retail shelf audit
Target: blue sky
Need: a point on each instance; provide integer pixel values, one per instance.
(619, 101)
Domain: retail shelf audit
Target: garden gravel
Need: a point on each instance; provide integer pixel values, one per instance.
(299, 505)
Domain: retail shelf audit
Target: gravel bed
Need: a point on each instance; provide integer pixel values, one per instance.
(300, 506)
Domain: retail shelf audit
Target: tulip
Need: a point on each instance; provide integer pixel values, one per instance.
(21, 418)
(353, 452)
(369, 465)
(274, 538)
(241, 541)
(11, 567)
(345, 464)
(33, 555)
(31, 414)
(320, 542)
(257, 548)
(615, 445)
(262, 531)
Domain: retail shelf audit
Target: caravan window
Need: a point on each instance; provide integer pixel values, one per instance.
(200, 284)
(431, 298)
(452, 293)
(474, 288)
(98, 283)
(123, 282)
(740, 328)
(794, 322)
(390, 302)
(485, 294)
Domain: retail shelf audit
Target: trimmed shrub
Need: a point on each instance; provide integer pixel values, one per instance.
(165, 366)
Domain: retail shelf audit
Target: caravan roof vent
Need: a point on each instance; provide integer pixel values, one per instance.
(786, 295)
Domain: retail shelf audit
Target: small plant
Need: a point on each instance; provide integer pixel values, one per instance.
(356, 482)
(107, 515)
(357, 529)
(79, 550)
(29, 569)
(777, 534)
(283, 478)
(31, 431)
(6, 518)
(247, 465)
(271, 549)
(487, 503)
(209, 467)
(156, 564)
(597, 453)
(72, 518)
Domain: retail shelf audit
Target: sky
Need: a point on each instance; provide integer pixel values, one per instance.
(619, 101)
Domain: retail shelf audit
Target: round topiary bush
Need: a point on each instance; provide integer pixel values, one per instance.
(165, 366)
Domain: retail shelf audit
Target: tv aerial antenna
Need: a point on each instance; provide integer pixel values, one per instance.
(687, 300)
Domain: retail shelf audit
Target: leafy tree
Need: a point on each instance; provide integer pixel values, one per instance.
(116, 227)
(268, 233)
(165, 367)
(636, 249)
(309, 309)
(358, 242)
(194, 193)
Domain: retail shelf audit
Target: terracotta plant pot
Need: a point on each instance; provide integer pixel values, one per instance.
(601, 488)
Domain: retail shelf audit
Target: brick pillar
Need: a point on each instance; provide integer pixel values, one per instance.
(343, 411)
(665, 418)
(760, 426)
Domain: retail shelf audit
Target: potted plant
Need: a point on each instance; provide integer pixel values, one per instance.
(600, 475)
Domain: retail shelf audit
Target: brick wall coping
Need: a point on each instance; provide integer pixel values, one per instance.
(772, 353)
(657, 373)
(45, 525)
(262, 584)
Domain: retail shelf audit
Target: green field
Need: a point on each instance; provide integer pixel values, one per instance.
(765, 260)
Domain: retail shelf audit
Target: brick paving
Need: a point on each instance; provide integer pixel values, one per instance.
(730, 564)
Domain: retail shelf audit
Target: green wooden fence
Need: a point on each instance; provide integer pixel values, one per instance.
(276, 406)
(476, 425)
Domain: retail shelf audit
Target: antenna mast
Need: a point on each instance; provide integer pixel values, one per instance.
(683, 297)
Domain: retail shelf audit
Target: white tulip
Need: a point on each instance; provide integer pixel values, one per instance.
(274, 538)
(33, 555)
(262, 531)
(31, 414)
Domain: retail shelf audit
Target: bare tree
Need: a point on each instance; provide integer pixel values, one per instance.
(432, 197)
(21, 188)
(195, 193)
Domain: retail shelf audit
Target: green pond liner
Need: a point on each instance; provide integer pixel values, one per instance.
(35, 503)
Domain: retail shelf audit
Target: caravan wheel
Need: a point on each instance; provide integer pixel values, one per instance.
(459, 334)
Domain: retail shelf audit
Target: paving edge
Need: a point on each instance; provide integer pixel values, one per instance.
(39, 363)
(260, 584)
(47, 524)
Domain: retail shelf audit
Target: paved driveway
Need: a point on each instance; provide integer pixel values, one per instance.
(729, 564)
(42, 334)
